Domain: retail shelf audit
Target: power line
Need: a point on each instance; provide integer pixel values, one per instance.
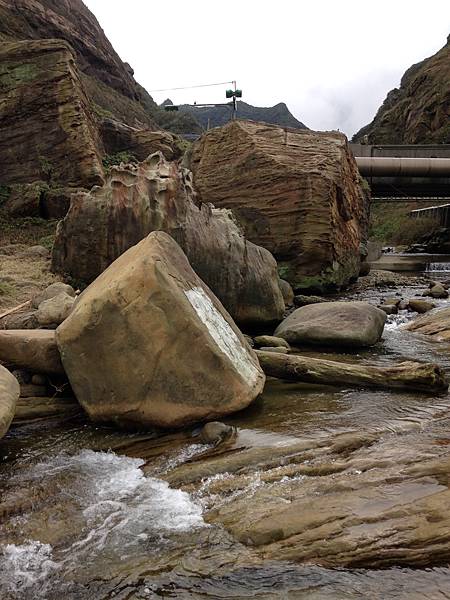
(190, 87)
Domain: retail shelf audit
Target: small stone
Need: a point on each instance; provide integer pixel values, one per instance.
(391, 301)
(302, 300)
(420, 306)
(214, 432)
(389, 309)
(438, 291)
(39, 379)
(276, 349)
(271, 340)
(287, 291)
(51, 291)
(54, 311)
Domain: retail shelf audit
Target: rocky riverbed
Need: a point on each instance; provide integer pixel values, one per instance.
(317, 492)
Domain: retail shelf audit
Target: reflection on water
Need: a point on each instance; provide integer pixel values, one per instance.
(86, 513)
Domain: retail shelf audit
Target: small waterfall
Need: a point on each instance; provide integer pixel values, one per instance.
(438, 267)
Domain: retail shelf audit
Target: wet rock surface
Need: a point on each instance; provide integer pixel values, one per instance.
(319, 492)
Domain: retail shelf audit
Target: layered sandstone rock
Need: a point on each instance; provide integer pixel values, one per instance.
(138, 142)
(436, 324)
(47, 130)
(127, 347)
(297, 193)
(108, 80)
(9, 395)
(157, 195)
(419, 111)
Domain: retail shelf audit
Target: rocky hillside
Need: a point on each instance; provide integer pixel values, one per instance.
(220, 115)
(419, 111)
(108, 81)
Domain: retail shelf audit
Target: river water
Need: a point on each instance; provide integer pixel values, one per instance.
(92, 513)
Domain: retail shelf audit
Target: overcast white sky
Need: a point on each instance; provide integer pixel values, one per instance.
(331, 61)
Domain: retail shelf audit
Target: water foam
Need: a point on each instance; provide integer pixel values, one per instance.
(120, 510)
(25, 567)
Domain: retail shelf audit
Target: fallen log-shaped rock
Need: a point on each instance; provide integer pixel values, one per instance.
(34, 350)
(425, 377)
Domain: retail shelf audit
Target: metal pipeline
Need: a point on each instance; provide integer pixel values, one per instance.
(403, 167)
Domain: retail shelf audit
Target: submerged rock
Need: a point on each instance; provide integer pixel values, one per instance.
(148, 344)
(348, 324)
(158, 196)
(9, 395)
(296, 193)
(214, 432)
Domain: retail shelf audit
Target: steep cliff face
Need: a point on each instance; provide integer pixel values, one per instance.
(48, 132)
(108, 81)
(419, 111)
(295, 192)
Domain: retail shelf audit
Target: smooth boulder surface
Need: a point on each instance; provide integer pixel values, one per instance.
(53, 311)
(54, 289)
(9, 395)
(158, 196)
(295, 192)
(149, 345)
(31, 349)
(420, 306)
(349, 324)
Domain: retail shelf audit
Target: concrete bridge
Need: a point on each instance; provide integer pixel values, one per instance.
(405, 171)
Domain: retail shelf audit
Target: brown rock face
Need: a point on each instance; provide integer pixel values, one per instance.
(419, 111)
(140, 143)
(109, 81)
(47, 131)
(127, 347)
(296, 193)
(157, 195)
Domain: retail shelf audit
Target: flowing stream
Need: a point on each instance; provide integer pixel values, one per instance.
(91, 513)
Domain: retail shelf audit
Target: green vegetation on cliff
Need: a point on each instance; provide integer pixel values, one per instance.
(419, 111)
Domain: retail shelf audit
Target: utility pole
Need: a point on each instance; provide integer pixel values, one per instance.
(233, 94)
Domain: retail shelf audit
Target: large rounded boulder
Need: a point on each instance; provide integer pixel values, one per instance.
(149, 345)
(346, 324)
(9, 394)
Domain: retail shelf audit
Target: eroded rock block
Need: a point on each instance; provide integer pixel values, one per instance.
(149, 345)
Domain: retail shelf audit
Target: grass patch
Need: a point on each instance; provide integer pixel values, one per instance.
(391, 224)
(111, 160)
(31, 231)
(6, 289)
